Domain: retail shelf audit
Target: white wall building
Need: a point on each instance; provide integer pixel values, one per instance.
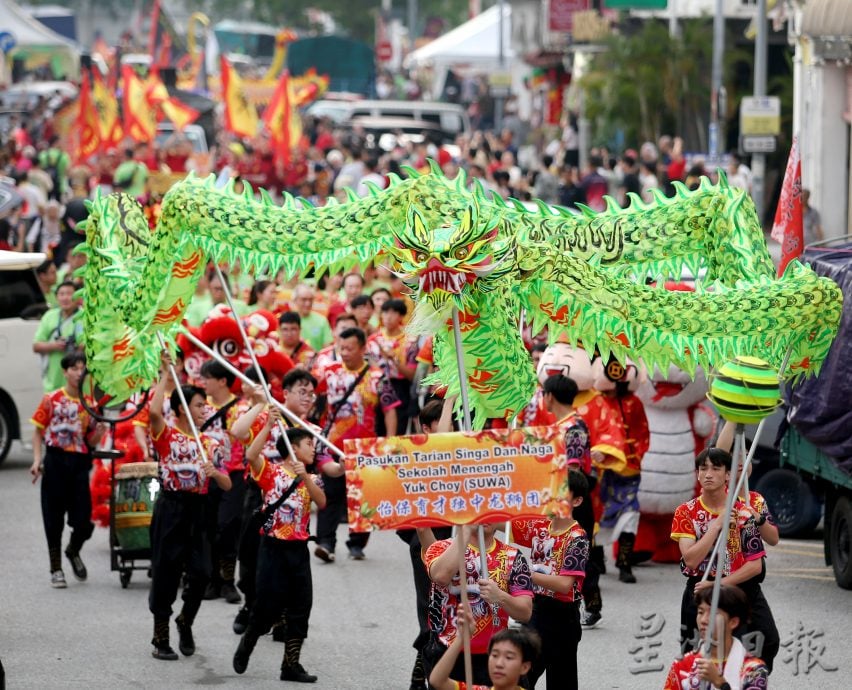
(822, 108)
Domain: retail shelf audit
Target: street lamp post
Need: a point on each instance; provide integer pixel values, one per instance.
(717, 93)
(501, 61)
(758, 160)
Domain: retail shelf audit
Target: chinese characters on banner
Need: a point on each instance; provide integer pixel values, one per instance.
(457, 478)
(560, 17)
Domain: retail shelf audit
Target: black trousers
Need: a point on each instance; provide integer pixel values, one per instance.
(329, 518)
(283, 586)
(761, 626)
(584, 514)
(558, 625)
(65, 491)
(178, 544)
(249, 543)
(224, 520)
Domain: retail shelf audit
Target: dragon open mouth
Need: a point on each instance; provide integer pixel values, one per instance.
(441, 279)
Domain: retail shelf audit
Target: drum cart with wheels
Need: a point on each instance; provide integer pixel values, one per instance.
(133, 487)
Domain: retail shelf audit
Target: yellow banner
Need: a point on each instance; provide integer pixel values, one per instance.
(458, 478)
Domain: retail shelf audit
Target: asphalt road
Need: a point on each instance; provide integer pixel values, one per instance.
(96, 634)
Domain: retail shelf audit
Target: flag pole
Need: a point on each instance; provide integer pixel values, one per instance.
(466, 426)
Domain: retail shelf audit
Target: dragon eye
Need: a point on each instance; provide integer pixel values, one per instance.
(461, 253)
(421, 256)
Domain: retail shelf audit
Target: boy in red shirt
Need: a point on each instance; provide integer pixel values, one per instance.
(506, 592)
(64, 427)
(511, 654)
(696, 526)
(559, 550)
(284, 583)
(178, 539)
(721, 668)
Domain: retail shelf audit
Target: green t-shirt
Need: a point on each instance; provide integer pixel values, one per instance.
(201, 305)
(53, 327)
(316, 331)
(198, 309)
(131, 177)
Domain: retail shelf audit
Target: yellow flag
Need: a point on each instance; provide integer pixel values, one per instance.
(240, 115)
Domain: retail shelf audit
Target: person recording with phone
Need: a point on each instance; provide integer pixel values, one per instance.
(60, 332)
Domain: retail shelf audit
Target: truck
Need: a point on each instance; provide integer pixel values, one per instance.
(813, 474)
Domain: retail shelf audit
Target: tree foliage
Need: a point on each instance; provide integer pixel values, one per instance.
(650, 83)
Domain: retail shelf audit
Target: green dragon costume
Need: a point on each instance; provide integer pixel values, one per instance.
(586, 276)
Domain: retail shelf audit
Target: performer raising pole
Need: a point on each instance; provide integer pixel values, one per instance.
(178, 539)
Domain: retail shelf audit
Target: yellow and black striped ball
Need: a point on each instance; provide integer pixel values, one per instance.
(745, 390)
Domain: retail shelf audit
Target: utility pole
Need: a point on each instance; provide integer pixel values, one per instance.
(718, 97)
(501, 61)
(758, 160)
(412, 23)
(674, 26)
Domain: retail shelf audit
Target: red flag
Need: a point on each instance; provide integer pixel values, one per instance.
(283, 120)
(108, 113)
(87, 125)
(788, 227)
(140, 121)
(179, 113)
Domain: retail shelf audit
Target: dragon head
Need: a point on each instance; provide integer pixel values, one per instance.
(446, 264)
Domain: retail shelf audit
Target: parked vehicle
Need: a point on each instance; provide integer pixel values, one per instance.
(21, 307)
(450, 118)
(26, 95)
(810, 475)
(387, 132)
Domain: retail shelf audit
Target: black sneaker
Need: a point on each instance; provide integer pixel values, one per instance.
(230, 593)
(297, 674)
(626, 575)
(591, 619)
(186, 643)
(77, 565)
(241, 620)
(324, 553)
(241, 656)
(356, 553)
(164, 652)
(212, 591)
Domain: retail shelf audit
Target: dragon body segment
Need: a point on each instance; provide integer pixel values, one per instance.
(584, 275)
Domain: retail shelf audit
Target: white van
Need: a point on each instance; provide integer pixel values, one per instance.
(21, 307)
(451, 118)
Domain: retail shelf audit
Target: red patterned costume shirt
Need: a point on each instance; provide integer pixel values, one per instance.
(63, 421)
(692, 520)
(554, 553)
(290, 521)
(181, 463)
(507, 566)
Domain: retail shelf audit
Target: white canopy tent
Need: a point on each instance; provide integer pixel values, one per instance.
(472, 47)
(36, 43)
(473, 43)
